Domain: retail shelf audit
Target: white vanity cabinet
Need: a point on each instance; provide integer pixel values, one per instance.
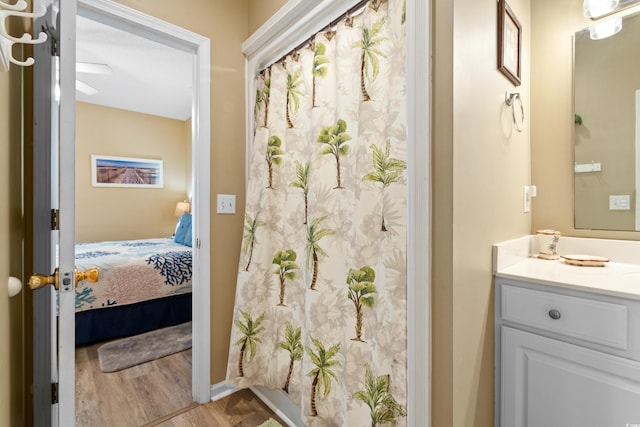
(565, 357)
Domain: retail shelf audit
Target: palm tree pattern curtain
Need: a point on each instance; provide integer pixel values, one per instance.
(321, 304)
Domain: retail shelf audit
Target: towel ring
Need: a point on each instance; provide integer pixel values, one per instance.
(510, 99)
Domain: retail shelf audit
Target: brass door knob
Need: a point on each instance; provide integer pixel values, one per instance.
(38, 281)
(89, 275)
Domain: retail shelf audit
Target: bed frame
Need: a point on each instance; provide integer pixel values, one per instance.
(121, 321)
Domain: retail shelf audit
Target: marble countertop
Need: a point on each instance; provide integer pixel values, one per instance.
(513, 260)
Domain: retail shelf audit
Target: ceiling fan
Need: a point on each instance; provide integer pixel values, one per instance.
(90, 68)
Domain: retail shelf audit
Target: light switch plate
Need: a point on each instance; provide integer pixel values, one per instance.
(529, 191)
(226, 204)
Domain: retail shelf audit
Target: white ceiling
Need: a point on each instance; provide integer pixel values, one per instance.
(147, 77)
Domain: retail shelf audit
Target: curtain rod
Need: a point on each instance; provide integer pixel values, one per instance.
(351, 12)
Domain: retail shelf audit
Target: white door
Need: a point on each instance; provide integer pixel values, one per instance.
(546, 382)
(54, 216)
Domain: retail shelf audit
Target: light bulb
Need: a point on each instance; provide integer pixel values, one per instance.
(595, 8)
(605, 29)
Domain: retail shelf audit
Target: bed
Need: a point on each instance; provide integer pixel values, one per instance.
(144, 285)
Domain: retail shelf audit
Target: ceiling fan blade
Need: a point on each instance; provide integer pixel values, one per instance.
(93, 68)
(85, 88)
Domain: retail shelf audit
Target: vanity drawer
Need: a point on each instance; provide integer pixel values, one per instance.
(582, 318)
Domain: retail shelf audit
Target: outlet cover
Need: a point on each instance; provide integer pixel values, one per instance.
(620, 202)
(226, 204)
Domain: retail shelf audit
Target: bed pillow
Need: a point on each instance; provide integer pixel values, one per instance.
(188, 237)
(184, 227)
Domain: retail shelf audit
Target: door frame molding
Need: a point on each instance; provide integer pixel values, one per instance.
(296, 21)
(135, 22)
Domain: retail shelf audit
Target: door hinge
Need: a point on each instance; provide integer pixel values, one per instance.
(54, 393)
(51, 33)
(55, 219)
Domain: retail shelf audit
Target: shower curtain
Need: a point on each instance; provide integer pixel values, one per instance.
(321, 309)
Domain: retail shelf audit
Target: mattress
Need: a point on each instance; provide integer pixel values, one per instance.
(132, 271)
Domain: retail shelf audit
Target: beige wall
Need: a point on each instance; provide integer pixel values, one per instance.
(261, 10)
(552, 130)
(113, 213)
(187, 135)
(442, 229)
(480, 167)
(225, 23)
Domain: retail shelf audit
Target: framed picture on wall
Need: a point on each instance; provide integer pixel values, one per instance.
(509, 43)
(109, 171)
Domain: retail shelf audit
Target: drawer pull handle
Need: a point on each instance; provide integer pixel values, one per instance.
(554, 314)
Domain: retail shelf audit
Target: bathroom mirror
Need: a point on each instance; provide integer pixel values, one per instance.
(607, 129)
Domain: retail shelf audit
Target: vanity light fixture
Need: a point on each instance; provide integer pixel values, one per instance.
(605, 29)
(595, 8)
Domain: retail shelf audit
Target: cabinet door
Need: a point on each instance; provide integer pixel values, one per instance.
(545, 383)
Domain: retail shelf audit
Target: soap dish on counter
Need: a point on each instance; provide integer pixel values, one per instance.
(585, 260)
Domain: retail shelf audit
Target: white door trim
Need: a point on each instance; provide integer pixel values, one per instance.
(419, 103)
(128, 19)
(67, 200)
(296, 21)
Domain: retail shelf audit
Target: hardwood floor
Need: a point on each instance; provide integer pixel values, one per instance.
(241, 409)
(156, 393)
(131, 397)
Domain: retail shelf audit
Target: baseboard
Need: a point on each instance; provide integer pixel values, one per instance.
(276, 400)
(220, 390)
(280, 403)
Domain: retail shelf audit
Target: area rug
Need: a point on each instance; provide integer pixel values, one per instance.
(131, 351)
(270, 423)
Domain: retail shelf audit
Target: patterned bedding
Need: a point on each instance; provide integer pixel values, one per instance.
(132, 271)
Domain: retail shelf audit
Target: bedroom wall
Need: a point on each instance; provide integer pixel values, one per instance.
(226, 24)
(113, 213)
(188, 167)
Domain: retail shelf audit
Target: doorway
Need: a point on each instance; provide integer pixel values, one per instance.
(196, 48)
